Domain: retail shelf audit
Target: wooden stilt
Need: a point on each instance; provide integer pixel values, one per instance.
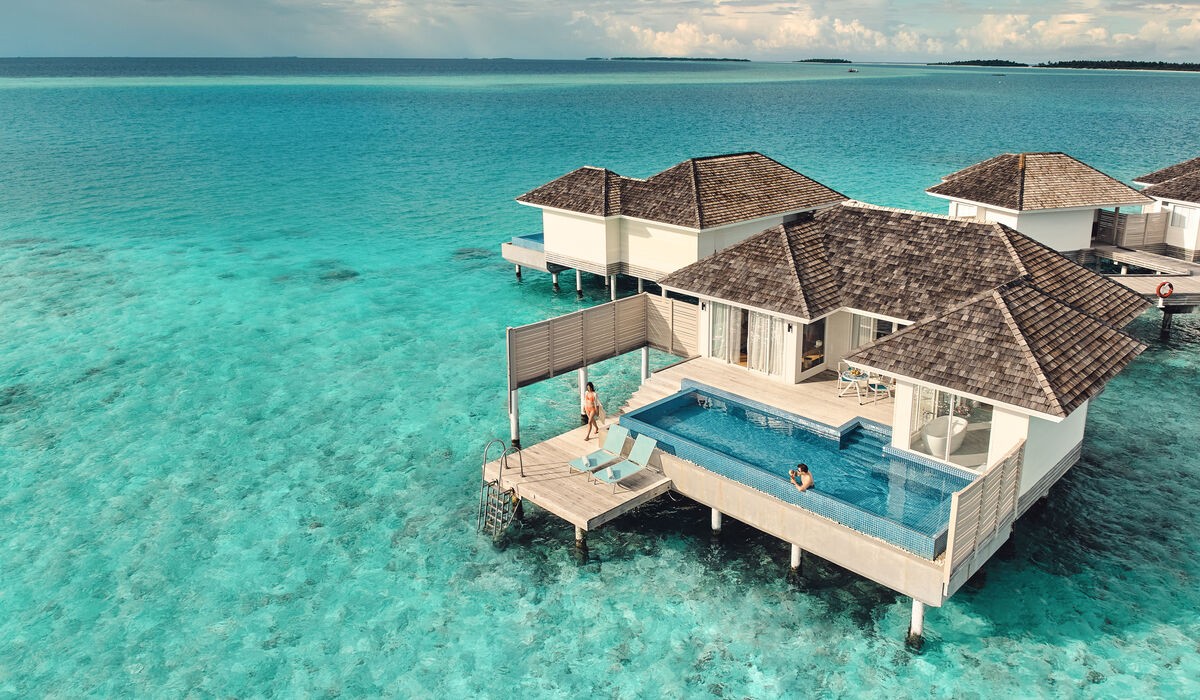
(514, 419)
(916, 627)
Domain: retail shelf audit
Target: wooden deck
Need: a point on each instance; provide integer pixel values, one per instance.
(814, 398)
(571, 495)
(1185, 276)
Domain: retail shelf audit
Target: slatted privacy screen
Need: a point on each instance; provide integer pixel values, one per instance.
(674, 326)
(981, 518)
(1132, 230)
(563, 344)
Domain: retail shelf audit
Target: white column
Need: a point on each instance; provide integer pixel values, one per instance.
(645, 363)
(716, 520)
(554, 279)
(795, 557)
(916, 628)
(582, 390)
(641, 285)
(514, 418)
(578, 283)
(518, 271)
(612, 288)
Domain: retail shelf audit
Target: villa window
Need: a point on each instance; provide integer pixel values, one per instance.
(812, 347)
(865, 329)
(1180, 216)
(950, 427)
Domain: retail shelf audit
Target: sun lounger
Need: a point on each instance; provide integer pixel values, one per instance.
(614, 445)
(639, 457)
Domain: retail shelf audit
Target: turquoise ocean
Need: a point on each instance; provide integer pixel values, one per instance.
(252, 344)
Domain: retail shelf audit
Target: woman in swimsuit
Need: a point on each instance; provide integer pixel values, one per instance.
(591, 407)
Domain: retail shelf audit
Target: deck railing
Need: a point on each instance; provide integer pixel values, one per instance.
(981, 518)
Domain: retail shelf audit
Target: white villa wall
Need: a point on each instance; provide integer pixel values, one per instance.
(1009, 428)
(712, 240)
(902, 415)
(1182, 236)
(791, 353)
(963, 209)
(837, 337)
(1000, 216)
(1062, 230)
(658, 247)
(1048, 443)
(577, 236)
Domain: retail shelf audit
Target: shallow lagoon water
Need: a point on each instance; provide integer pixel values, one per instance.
(253, 346)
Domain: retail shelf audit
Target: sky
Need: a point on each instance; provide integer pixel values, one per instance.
(860, 30)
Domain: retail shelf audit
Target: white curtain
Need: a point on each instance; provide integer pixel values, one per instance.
(718, 329)
(765, 344)
(733, 341)
(862, 330)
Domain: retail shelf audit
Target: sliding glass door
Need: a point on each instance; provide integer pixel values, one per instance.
(747, 338)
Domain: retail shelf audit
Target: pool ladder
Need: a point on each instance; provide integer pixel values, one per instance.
(498, 506)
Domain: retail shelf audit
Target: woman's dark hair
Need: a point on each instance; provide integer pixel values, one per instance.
(590, 387)
(802, 467)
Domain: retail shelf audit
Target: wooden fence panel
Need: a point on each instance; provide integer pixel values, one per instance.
(981, 518)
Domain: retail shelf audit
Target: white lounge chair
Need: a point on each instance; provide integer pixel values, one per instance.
(639, 457)
(614, 445)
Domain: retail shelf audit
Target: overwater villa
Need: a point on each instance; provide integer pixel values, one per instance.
(933, 372)
(596, 221)
(1176, 194)
(1050, 197)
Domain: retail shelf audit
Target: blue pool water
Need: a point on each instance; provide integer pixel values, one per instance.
(253, 345)
(852, 470)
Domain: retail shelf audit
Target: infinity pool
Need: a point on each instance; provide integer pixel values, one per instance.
(855, 482)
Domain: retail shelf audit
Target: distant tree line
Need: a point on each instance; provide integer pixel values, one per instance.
(823, 60)
(1122, 65)
(990, 62)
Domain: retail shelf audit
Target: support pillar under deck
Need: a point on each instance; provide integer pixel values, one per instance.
(916, 627)
(716, 521)
(612, 288)
(578, 284)
(554, 279)
(580, 538)
(514, 419)
(796, 553)
(518, 271)
(583, 380)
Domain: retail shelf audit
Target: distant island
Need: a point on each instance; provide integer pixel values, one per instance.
(1122, 65)
(823, 60)
(988, 62)
(669, 58)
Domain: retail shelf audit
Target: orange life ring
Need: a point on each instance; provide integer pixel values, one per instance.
(1164, 290)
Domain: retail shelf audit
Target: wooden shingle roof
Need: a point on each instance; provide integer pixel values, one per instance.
(900, 264)
(927, 268)
(698, 193)
(1029, 181)
(1013, 344)
(1169, 172)
(1183, 188)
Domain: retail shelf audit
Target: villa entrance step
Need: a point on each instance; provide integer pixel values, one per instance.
(649, 392)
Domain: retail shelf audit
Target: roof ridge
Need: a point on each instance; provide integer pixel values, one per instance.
(795, 268)
(1012, 249)
(1021, 184)
(696, 192)
(727, 155)
(1030, 356)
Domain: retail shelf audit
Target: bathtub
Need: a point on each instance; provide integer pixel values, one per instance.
(935, 434)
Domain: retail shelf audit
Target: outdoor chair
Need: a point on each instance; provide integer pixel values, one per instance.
(614, 445)
(878, 387)
(639, 457)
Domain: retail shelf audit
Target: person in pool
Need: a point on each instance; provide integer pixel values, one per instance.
(801, 472)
